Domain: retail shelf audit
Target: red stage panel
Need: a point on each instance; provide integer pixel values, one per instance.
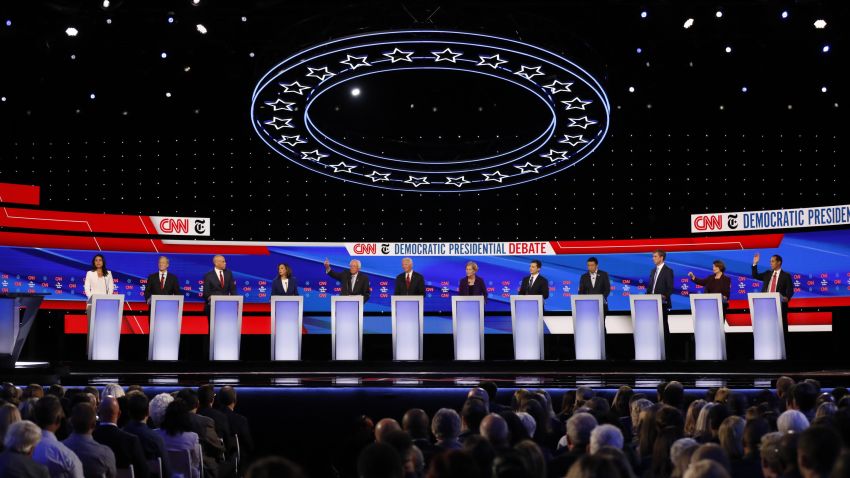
(19, 194)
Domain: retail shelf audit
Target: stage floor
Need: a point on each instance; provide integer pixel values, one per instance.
(444, 374)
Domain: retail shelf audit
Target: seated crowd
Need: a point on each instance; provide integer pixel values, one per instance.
(80, 433)
(795, 430)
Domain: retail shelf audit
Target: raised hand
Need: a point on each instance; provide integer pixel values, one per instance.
(691, 275)
(756, 258)
(327, 264)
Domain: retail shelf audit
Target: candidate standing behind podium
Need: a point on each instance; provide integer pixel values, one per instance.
(776, 280)
(716, 283)
(162, 282)
(409, 282)
(472, 284)
(284, 283)
(534, 283)
(661, 282)
(218, 281)
(352, 281)
(595, 281)
(98, 280)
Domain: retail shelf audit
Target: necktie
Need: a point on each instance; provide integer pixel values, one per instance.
(408, 280)
(353, 280)
(654, 279)
(221, 279)
(161, 282)
(530, 281)
(773, 282)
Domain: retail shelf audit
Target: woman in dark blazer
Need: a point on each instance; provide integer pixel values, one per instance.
(284, 283)
(716, 283)
(472, 284)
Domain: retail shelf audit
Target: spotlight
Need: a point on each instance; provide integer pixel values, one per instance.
(719, 14)
(823, 89)
(643, 14)
(91, 96)
(744, 89)
(639, 50)
(355, 92)
(106, 3)
(170, 19)
(201, 29)
(3, 99)
(825, 49)
(71, 31)
(784, 14)
(109, 21)
(163, 55)
(820, 24)
(196, 2)
(728, 49)
(631, 89)
(689, 23)
(168, 94)
(244, 19)
(8, 23)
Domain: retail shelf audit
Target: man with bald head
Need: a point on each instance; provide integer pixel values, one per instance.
(495, 429)
(352, 281)
(384, 427)
(126, 446)
(481, 394)
(409, 282)
(218, 281)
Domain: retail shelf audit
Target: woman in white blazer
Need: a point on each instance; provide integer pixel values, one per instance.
(98, 279)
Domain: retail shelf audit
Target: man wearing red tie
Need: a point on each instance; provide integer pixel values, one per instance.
(218, 281)
(776, 280)
(409, 282)
(162, 282)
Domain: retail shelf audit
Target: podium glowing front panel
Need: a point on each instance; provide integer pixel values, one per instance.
(647, 320)
(527, 326)
(468, 327)
(105, 316)
(166, 320)
(766, 315)
(347, 327)
(225, 327)
(589, 326)
(287, 320)
(407, 312)
(709, 333)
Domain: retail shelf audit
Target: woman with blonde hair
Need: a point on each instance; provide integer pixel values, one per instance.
(471, 284)
(691, 417)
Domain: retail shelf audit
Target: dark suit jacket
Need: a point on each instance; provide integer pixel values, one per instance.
(361, 285)
(17, 465)
(239, 426)
(417, 284)
(172, 286)
(126, 446)
(277, 287)
(212, 286)
(540, 286)
(222, 426)
(603, 284)
(663, 286)
(476, 289)
(210, 443)
(784, 284)
(152, 444)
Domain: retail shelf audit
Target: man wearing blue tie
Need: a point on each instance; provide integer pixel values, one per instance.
(284, 283)
(661, 283)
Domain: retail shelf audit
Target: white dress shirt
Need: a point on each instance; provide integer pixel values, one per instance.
(285, 282)
(593, 279)
(532, 278)
(98, 285)
(657, 273)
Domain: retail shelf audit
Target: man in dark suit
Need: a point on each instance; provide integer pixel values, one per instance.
(534, 283)
(218, 281)
(409, 282)
(661, 282)
(211, 444)
(776, 280)
(126, 446)
(284, 283)
(206, 397)
(152, 444)
(595, 281)
(238, 423)
(162, 282)
(352, 281)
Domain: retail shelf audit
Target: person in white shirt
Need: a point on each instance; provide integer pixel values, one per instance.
(98, 279)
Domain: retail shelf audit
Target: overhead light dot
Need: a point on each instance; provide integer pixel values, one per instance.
(71, 31)
(187, 68)
(201, 29)
(106, 3)
(639, 50)
(8, 23)
(163, 55)
(91, 96)
(73, 57)
(719, 14)
(631, 89)
(744, 89)
(820, 24)
(728, 49)
(643, 14)
(784, 14)
(251, 54)
(244, 19)
(196, 2)
(109, 21)
(3, 99)
(170, 19)
(355, 92)
(825, 49)
(823, 89)
(168, 94)
(689, 23)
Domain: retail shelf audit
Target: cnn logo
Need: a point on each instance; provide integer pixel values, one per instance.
(713, 222)
(170, 225)
(365, 249)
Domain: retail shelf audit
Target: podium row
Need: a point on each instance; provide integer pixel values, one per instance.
(588, 320)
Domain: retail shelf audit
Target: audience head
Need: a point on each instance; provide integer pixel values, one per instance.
(680, 454)
(792, 421)
(9, 414)
(83, 418)
(206, 396)
(532, 457)
(48, 413)
(605, 435)
(713, 452)
(528, 423)
(692, 415)
(636, 408)
(593, 466)
(274, 467)
(495, 429)
(22, 437)
(753, 431)
(177, 419)
(771, 455)
(706, 469)
(481, 394)
(445, 425)
(482, 452)
(474, 410)
(583, 394)
(157, 408)
(384, 427)
(227, 397)
(415, 422)
(112, 389)
(674, 394)
(109, 411)
(731, 436)
(804, 396)
(379, 460)
(579, 427)
(817, 450)
(137, 406)
(492, 389)
(454, 464)
(190, 398)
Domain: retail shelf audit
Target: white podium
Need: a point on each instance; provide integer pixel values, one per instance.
(225, 327)
(105, 313)
(648, 325)
(709, 330)
(347, 327)
(287, 323)
(527, 326)
(589, 326)
(766, 315)
(468, 327)
(407, 312)
(166, 320)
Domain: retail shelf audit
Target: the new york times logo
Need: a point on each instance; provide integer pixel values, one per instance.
(732, 221)
(385, 248)
(200, 226)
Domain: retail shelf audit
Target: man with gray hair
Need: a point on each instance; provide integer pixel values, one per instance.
(792, 421)
(162, 282)
(495, 429)
(352, 281)
(16, 460)
(579, 428)
(481, 394)
(409, 282)
(770, 450)
(605, 435)
(446, 427)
